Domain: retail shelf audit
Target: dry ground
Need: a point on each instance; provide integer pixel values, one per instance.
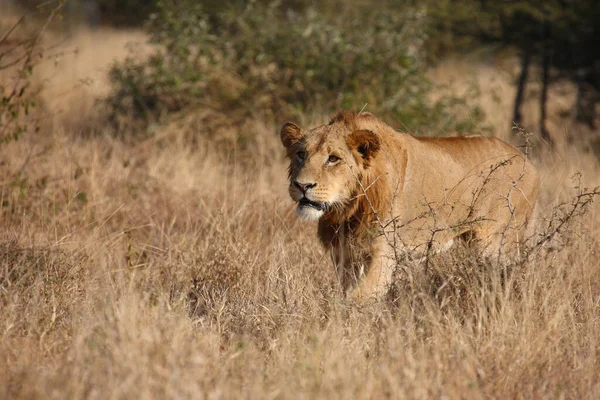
(158, 270)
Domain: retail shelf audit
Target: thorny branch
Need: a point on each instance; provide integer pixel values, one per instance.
(563, 214)
(27, 58)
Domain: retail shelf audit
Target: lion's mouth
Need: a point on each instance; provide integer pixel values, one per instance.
(304, 202)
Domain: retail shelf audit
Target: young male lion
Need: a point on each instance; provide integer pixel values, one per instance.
(378, 193)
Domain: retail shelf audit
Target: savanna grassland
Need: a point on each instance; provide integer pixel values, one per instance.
(173, 266)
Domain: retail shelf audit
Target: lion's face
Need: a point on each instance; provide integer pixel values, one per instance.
(326, 165)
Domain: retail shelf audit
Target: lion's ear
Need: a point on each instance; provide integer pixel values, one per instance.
(290, 134)
(366, 142)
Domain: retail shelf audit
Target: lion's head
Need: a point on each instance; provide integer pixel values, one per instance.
(327, 164)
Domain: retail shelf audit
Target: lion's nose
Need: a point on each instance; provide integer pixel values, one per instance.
(304, 186)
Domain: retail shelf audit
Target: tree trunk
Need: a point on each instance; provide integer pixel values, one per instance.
(585, 103)
(545, 83)
(521, 83)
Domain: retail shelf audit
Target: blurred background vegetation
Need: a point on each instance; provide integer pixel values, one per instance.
(283, 59)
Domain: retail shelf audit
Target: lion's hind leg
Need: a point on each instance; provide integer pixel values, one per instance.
(498, 241)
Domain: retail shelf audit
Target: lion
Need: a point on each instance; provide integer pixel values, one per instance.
(378, 193)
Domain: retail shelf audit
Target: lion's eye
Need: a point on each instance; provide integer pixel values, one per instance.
(301, 155)
(333, 159)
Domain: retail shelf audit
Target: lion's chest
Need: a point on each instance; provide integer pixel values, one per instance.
(351, 251)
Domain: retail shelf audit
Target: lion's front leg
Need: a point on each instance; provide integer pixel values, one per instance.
(348, 270)
(378, 278)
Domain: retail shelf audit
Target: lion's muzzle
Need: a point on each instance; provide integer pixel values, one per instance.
(310, 210)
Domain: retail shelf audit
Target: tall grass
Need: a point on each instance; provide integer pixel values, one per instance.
(155, 269)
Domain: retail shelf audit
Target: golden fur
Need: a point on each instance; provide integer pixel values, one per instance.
(378, 193)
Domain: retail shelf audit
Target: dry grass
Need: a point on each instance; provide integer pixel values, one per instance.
(153, 270)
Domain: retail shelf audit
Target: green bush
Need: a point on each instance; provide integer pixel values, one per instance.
(278, 62)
